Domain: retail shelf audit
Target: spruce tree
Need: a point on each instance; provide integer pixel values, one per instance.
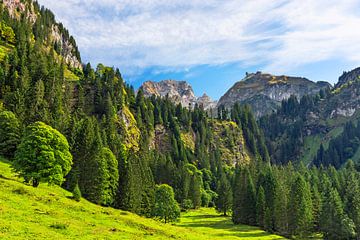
(334, 223)
(224, 200)
(244, 202)
(300, 207)
(260, 207)
(9, 134)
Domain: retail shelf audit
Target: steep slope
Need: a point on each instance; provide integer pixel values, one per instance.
(264, 92)
(298, 129)
(45, 27)
(178, 92)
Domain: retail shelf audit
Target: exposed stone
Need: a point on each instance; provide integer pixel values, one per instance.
(178, 92)
(16, 7)
(264, 92)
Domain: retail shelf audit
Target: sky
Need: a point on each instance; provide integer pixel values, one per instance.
(213, 43)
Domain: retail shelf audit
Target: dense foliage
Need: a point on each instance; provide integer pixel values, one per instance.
(298, 201)
(43, 155)
(122, 144)
(166, 208)
(9, 133)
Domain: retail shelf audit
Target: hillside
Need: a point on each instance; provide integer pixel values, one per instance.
(48, 212)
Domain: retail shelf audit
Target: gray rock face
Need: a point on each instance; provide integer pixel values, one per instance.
(264, 92)
(66, 48)
(15, 7)
(206, 102)
(178, 91)
(348, 77)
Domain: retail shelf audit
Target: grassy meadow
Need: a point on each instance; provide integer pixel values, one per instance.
(48, 212)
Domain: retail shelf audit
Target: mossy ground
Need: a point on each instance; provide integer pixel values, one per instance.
(48, 212)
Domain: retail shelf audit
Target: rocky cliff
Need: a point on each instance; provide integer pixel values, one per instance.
(178, 91)
(264, 92)
(58, 36)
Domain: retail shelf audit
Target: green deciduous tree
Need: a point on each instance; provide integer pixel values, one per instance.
(166, 208)
(43, 155)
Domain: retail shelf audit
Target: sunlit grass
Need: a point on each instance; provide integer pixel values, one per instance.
(48, 212)
(213, 225)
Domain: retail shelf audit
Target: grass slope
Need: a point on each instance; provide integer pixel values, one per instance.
(211, 225)
(47, 212)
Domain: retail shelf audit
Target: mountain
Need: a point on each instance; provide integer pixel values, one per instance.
(299, 129)
(54, 34)
(264, 92)
(348, 77)
(178, 92)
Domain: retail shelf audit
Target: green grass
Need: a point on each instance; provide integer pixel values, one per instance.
(312, 144)
(48, 212)
(211, 225)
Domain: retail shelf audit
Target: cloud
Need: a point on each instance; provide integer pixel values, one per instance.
(280, 35)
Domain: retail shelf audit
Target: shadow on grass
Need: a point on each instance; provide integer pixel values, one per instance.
(224, 228)
(6, 178)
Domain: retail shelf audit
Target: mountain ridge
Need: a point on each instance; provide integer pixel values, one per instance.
(178, 91)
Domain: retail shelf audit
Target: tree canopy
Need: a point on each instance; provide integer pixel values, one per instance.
(43, 155)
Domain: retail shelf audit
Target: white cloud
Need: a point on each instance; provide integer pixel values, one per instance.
(280, 35)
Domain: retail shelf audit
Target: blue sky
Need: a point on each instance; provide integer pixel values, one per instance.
(211, 44)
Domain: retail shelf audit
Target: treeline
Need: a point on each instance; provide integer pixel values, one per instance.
(341, 148)
(298, 202)
(110, 131)
(284, 129)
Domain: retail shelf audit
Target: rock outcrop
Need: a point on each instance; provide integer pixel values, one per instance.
(65, 43)
(264, 92)
(178, 92)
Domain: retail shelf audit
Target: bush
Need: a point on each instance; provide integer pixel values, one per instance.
(76, 193)
(186, 205)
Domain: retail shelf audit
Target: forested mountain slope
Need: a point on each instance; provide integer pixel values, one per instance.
(122, 144)
(86, 130)
(301, 126)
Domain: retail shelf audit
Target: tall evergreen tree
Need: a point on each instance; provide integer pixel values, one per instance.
(300, 207)
(224, 200)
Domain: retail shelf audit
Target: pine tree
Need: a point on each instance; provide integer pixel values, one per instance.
(244, 202)
(9, 134)
(352, 196)
(224, 200)
(334, 223)
(260, 207)
(300, 207)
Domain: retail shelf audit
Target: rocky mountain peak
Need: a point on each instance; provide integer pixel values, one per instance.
(348, 77)
(178, 91)
(264, 92)
(206, 102)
